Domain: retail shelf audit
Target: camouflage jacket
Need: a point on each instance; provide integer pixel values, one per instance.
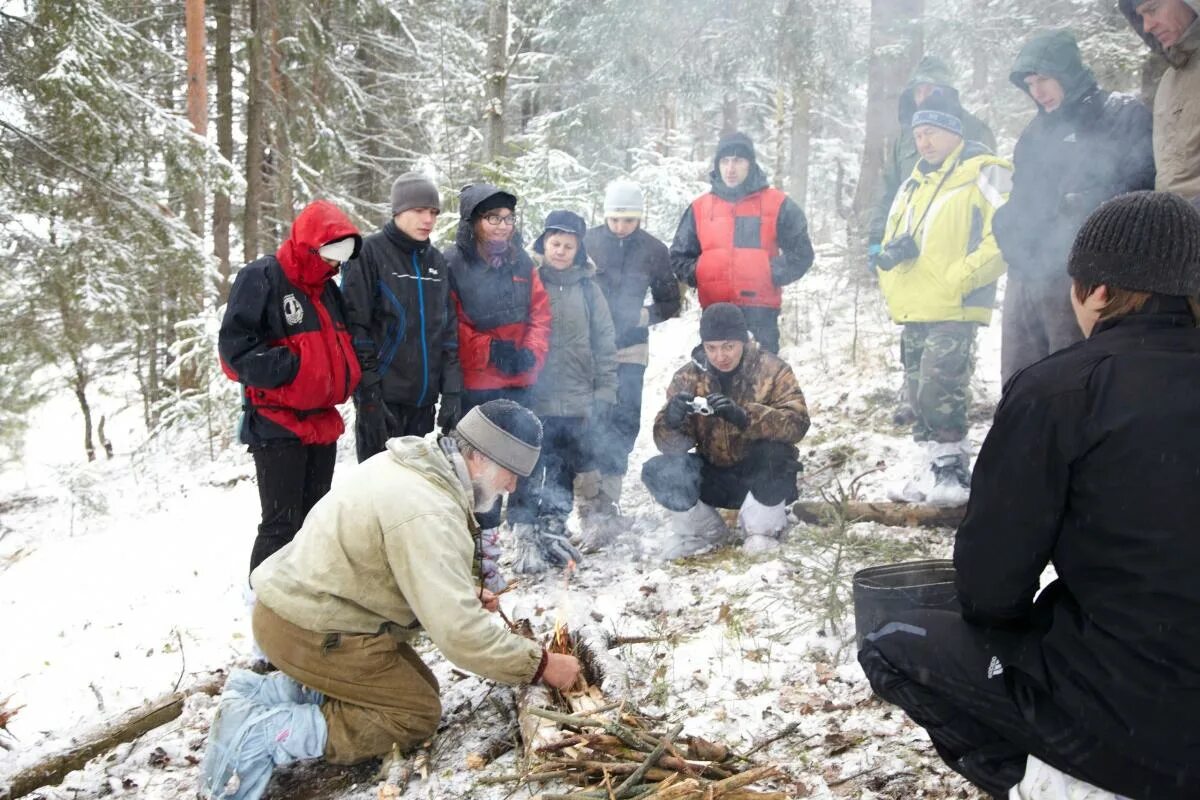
(764, 386)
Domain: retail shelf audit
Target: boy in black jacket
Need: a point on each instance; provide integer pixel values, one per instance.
(403, 323)
(1092, 464)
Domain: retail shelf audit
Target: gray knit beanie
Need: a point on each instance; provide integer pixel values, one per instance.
(414, 190)
(1142, 241)
(506, 432)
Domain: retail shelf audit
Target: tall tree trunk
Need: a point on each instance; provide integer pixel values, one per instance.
(801, 142)
(897, 41)
(281, 145)
(251, 222)
(197, 98)
(497, 77)
(729, 113)
(222, 207)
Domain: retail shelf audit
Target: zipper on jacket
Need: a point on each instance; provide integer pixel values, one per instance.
(424, 342)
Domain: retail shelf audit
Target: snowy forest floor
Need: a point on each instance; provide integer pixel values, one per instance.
(123, 579)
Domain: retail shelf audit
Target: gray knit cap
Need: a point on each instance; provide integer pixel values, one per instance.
(506, 432)
(1142, 241)
(414, 190)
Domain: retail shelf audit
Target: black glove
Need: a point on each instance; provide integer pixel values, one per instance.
(371, 426)
(503, 356)
(449, 412)
(678, 407)
(726, 409)
(509, 359)
(526, 360)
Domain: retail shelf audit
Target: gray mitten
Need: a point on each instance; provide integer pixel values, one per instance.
(539, 548)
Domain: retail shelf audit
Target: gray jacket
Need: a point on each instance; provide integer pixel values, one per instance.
(581, 366)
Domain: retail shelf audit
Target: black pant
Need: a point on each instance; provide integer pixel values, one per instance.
(949, 677)
(406, 421)
(292, 477)
(611, 444)
(764, 324)
(477, 397)
(769, 469)
(549, 492)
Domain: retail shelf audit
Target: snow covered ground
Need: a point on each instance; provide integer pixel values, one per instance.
(122, 580)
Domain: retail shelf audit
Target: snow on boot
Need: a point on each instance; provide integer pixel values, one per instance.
(762, 524)
(916, 480)
(1044, 782)
(489, 565)
(695, 531)
(542, 546)
(598, 525)
(248, 740)
(951, 470)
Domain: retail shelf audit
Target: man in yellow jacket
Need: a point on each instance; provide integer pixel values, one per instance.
(938, 270)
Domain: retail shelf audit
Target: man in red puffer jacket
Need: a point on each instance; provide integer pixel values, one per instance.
(284, 338)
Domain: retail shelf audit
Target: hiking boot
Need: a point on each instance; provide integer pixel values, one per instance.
(904, 416)
(248, 740)
(695, 531)
(542, 546)
(951, 469)
(763, 525)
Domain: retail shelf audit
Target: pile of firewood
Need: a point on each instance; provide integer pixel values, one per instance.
(582, 737)
(626, 758)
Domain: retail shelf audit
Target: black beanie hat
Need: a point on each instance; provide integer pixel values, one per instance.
(722, 322)
(1142, 241)
(497, 200)
(506, 432)
(735, 144)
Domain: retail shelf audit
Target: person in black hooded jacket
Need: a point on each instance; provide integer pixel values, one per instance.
(743, 241)
(405, 330)
(1091, 465)
(1086, 145)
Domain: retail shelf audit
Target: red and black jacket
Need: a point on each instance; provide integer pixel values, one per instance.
(506, 302)
(742, 244)
(284, 336)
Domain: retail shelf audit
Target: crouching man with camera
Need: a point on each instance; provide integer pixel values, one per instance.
(938, 270)
(727, 435)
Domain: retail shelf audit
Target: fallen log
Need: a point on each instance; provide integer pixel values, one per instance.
(899, 515)
(125, 728)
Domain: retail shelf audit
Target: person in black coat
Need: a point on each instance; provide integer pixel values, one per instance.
(1092, 465)
(405, 330)
(1085, 145)
(629, 263)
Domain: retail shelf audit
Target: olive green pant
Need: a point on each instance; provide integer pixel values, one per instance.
(377, 690)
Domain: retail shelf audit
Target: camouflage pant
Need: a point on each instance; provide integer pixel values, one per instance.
(938, 360)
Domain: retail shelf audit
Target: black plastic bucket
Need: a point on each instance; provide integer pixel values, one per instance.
(881, 593)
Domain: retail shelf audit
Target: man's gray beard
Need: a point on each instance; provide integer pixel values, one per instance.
(484, 498)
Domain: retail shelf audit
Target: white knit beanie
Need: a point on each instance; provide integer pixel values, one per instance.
(624, 199)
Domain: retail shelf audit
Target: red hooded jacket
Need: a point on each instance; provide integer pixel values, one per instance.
(284, 335)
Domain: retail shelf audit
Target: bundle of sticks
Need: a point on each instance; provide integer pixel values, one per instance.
(579, 736)
(626, 758)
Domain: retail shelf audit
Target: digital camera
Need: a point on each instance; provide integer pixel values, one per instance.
(896, 252)
(699, 405)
